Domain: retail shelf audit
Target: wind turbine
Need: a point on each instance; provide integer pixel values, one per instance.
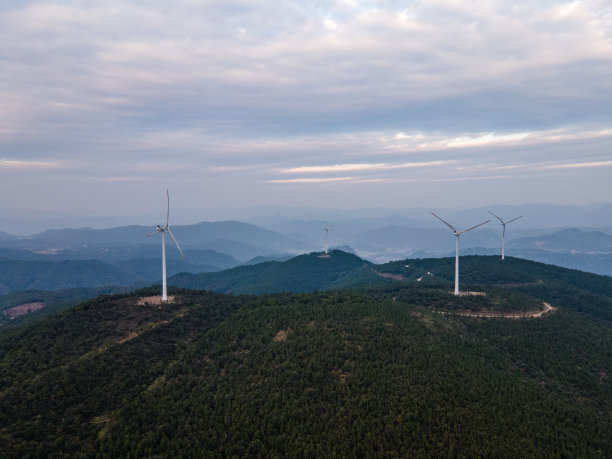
(162, 230)
(457, 234)
(504, 229)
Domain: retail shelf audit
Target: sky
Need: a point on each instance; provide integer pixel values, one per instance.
(333, 104)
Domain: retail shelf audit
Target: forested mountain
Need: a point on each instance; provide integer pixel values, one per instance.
(49, 275)
(311, 272)
(341, 373)
(94, 267)
(299, 274)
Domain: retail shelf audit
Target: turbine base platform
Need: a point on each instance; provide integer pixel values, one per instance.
(325, 255)
(154, 300)
(471, 293)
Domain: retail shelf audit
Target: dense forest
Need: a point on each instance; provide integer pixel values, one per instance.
(376, 370)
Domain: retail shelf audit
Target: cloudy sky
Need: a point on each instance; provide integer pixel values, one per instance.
(347, 103)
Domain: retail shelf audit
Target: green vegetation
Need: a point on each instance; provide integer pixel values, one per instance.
(303, 273)
(55, 302)
(360, 372)
(51, 275)
(584, 292)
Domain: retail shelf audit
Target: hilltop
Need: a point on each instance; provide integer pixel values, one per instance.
(303, 273)
(501, 280)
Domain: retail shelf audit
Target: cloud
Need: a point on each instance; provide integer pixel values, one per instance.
(362, 167)
(239, 92)
(18, 164)
(315, 180)
(282, 65)
(578, 165)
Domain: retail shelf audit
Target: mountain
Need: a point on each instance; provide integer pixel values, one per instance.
(390, 370)
(299, 274)
(6, 237)
(51, 302)
(56, 271)
(243, 240)
(377, 239)
(26, 275)
(306, 273)
(118, 254)
(567, 241)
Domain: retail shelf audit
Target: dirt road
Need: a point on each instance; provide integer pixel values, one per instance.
(502, 315)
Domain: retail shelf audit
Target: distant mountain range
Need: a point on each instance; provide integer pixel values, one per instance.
(567, 241)
(125, 256)
(239, 239)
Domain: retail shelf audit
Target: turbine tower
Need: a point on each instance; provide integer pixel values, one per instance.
(503, 223)
(457, 234)
(326, 229)
(162, 230)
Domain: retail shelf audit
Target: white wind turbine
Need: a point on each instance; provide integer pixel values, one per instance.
(504, 229)
(457, 234)
(326, 229)
(162, 230)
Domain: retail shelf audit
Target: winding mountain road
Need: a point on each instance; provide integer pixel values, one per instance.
(510, 315)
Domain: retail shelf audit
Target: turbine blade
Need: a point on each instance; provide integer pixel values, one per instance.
(445, 222)
(154, 232)
(513, 219)
(474, 227)
(177, 246)
(496, 217)
(168, 208)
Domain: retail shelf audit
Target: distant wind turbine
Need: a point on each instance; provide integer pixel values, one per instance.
(503, 223)
(162, 230)
(457, 234)
(326, 229)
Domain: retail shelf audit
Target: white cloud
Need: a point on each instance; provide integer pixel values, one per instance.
(578, 165)
(314, 180)
(363, 167)
(18, 164)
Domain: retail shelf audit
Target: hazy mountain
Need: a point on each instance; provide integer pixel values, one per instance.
(120, 254)
(243, 239)
(570, 240)
(535, 216)
(5, 237)
(63, 270)
(375, 236)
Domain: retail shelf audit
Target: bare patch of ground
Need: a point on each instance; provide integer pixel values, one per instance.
(281, 335)
(157, 299)
(397, 277)
(472, 293)
(23, 309)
